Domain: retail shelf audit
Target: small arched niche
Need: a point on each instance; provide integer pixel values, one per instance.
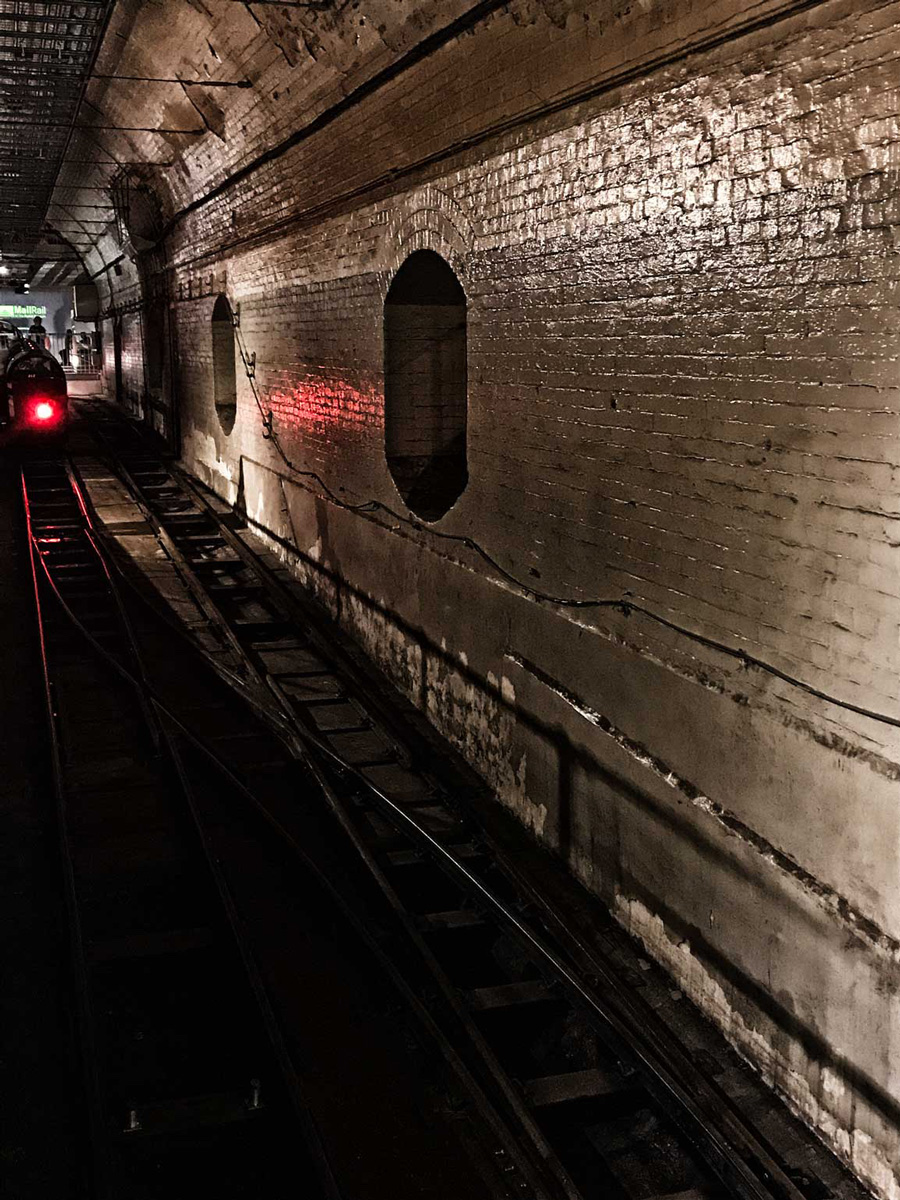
(224, 370)
(425, 384)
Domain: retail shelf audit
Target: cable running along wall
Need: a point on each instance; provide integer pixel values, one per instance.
(623, 604)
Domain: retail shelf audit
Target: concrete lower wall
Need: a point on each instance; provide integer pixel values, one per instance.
(680, 803)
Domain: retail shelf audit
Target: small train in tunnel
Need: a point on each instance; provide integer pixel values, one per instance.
(34, 403)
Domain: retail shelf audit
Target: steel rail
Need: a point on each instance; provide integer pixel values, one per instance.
(732, 1149)
(84, 1007)
(509, 1095)
(152, 705)
(733, 1167)
(156, 716)
(534, 1185)
(506, 1106)
(274, 717)
(304, 1115)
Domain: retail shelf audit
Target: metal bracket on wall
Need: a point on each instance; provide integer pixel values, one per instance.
(251, 365)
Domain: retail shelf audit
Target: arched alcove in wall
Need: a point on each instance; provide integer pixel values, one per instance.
(154, 349)
(425, 384)
(224, 370)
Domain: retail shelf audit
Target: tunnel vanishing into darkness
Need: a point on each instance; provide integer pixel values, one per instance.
(564, 338)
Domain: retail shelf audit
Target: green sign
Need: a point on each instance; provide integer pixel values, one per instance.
(23, 310)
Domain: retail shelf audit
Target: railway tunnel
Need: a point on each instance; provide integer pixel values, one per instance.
(450, 704)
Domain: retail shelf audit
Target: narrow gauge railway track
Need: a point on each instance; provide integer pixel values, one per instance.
(189, 1090)
(576, 1065)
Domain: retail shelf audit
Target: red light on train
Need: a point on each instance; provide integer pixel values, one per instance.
(42, 415)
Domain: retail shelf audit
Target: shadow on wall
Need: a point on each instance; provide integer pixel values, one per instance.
(573, 762)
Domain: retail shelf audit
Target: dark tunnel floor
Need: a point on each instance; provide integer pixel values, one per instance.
(36, 1127)
(399, 1138)
(38, 1151)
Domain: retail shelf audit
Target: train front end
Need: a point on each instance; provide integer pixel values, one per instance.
(34, 402)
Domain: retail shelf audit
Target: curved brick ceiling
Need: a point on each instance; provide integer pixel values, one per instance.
(47, 50)
(165, 122)
(187, 94)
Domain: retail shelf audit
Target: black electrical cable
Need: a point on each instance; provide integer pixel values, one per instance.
(622, 604)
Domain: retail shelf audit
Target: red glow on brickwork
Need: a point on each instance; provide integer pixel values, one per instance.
(323, 406)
